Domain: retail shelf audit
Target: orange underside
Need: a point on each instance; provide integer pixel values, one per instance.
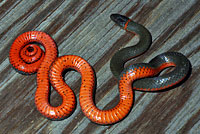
(59, 64)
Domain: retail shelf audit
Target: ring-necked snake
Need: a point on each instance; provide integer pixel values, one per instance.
(24, 58)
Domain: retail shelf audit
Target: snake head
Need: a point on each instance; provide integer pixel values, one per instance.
(119, 19)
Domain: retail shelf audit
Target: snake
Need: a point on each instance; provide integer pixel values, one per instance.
(50, 67)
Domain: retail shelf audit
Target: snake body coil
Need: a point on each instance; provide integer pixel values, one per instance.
(162, 61)
(25, 59)
(24, 47)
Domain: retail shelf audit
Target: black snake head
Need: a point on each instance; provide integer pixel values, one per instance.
(119, 19)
